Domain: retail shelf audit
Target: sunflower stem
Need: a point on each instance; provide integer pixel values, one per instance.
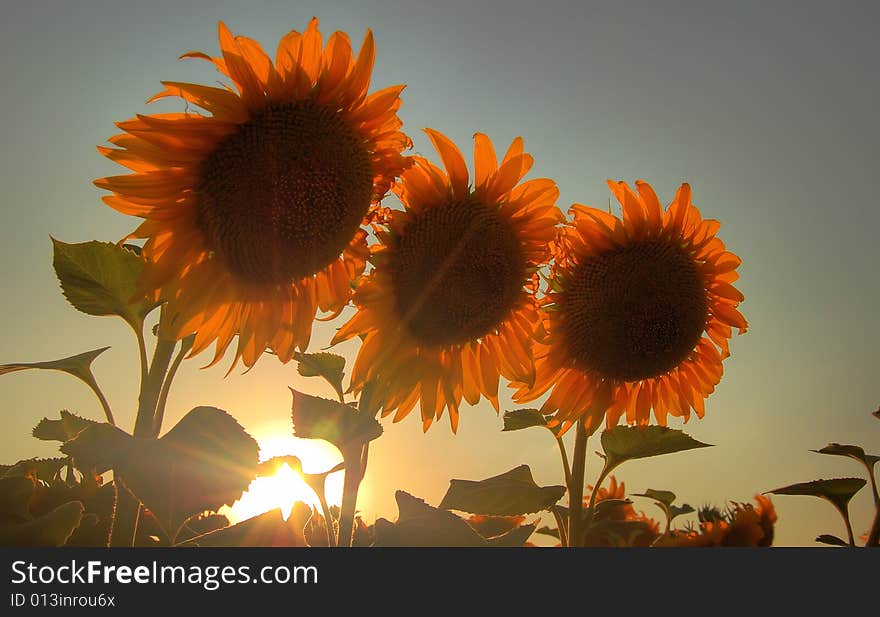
(560, 526)
(185, 345)
(142, 352)
(565, 466)
(874, 534)
(354, 473)
(125, 524)
(849, 531)
(91, 383)
(151, 388)
(128, 513)
(328, 519)
(576, 485)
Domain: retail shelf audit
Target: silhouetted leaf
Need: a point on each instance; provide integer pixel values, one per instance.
(514, 537)
(547, 531)
(52, 529)
(826, 538)
(205, 461)
(101, 447)
(513, 492)
(271, 466)
(519, 419)
(15, 497)
(100, 278)
(45, 469)
(65, 429)
(675, 511)
(327, 365)
(617, 532)
(853, 452)
(664, 497)
(838, 491)
(624, 443)
(79, 365)
(267, 529)
(342, 425)
(419, 524)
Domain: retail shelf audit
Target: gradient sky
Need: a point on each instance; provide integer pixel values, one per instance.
(768, 109)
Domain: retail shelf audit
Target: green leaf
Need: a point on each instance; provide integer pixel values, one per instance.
(838, 491)
(342, 425)
(519, 419)
(205, 461)
(827, 538)
(513, 492)
(853, 452)
(625, 443)
(100, 278)
(79, 366)
(65, 429)
(52, 529)
(327, 365)
(663, 497)
(419, 524)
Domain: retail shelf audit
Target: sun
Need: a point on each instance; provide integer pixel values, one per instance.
(286, 486)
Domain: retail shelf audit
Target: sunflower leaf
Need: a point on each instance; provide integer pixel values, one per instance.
(419, 524)
(51, 529)
(625, 443)
(519, 419)
(838, 491)
(205, 461)
(513, 492)
(341, 425)
(827, 538)
(65, 429)
(675, 511)
(662, 497)
(853, 452)
(100, 447)
(45, 469)
(80, 365)
(15, 496)
(100, 278)
(329, 366)
(515, 537)
(267, 529)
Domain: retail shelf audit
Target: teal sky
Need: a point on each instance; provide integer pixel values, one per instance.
(768, 109)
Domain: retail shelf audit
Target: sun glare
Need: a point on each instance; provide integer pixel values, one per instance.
(286, 486)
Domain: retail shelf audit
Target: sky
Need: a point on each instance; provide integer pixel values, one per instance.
(768, 110)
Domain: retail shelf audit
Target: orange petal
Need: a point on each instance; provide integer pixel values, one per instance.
(453, 161)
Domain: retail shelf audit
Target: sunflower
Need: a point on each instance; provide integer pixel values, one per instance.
(450, 305)
(742, 525)
(639, 313)
(253, 214)
(628, 527)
